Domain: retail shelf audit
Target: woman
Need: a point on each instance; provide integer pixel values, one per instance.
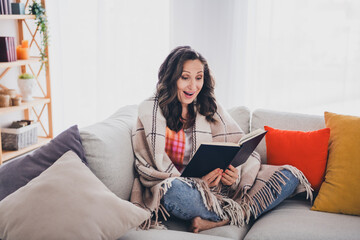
(171, 126)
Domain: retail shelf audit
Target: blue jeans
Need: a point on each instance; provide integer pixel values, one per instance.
(185, 202)
(286, 190)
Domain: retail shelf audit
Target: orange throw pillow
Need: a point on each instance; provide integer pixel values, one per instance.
(306, 151)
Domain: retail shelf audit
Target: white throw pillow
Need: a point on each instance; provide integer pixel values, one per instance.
(67, 201)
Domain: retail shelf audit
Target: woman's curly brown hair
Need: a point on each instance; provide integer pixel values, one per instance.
(166, 91)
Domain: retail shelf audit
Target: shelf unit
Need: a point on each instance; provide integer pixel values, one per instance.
(42, 102)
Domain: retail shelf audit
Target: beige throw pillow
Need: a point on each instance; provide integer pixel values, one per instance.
(67, 201)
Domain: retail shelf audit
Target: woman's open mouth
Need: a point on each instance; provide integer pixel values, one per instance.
(189, 94)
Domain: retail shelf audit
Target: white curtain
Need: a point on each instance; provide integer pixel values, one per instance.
(287, 55)
(303, 56)
(104, 55)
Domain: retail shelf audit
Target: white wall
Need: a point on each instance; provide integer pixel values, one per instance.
(287, 55)
(105, 57)
(207, 26)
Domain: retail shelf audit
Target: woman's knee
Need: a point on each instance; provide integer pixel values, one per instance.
(291, 181)
(178, 191)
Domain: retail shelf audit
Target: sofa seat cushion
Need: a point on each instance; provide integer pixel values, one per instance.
(154, 234)
(108, 150)
(293, 219)
(232, 232)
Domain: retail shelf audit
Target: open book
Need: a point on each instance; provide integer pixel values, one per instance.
(210, 156)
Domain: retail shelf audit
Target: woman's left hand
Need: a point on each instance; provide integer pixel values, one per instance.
(230, 176)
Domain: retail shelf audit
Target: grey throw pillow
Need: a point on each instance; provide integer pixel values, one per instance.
(67, 201)
(19, 172)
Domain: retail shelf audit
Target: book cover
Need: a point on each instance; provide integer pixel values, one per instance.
(9, 7)
(2, 7)
(3, 50)
(12, 49)
(8, 53)
(5, 7)
(210, 156)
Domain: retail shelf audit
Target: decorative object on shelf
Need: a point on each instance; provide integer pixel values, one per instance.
(15, 138)
(7, 49)
(4, 100)
(11, 93)
(26, 83)
(22, 51)
(18, 8)
(5, 7)
(16, 101)
(21, 123)
(41, 21)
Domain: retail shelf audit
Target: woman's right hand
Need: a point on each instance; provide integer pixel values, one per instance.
(213, 178)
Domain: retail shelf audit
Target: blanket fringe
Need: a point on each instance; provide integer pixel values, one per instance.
(264, 197)
(224, 207)
(210, 198)
(302, 179)
(153, 221)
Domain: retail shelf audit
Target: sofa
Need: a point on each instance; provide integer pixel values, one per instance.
(39, 200)
(109, 153)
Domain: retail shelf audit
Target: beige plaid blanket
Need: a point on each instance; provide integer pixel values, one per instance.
(155, 171)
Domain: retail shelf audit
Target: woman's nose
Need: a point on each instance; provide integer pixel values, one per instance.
(192, 84)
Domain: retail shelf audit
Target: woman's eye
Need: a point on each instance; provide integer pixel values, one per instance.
(199, 78)
(185, 78)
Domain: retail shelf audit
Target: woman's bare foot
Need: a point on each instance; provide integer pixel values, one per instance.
(198, 224)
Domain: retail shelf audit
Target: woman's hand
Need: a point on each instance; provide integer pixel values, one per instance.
(230, 176)
(213, 178)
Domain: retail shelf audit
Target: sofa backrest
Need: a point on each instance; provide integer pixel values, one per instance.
(108, 150)
(242, 117)
(284, 121)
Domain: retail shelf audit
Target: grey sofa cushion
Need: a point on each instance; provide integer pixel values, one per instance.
(108, 150)
(242, 117)
(18, 172)
(284, 121)
(293, 219)
(232, 232)
(154, 234)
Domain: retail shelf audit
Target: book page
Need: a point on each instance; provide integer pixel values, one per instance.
(222, 144)
(251, 135)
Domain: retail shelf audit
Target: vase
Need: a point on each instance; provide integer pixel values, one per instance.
(26, 87)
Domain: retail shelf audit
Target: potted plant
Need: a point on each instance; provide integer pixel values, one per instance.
(41, 21)
(26, 83)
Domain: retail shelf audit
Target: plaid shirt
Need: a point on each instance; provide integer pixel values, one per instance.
(175, 147)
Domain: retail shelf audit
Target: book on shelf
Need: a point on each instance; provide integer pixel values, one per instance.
(5, 7)
(7, 49)
(210, 156)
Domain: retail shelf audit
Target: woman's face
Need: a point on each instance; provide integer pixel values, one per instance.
(191, 81)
